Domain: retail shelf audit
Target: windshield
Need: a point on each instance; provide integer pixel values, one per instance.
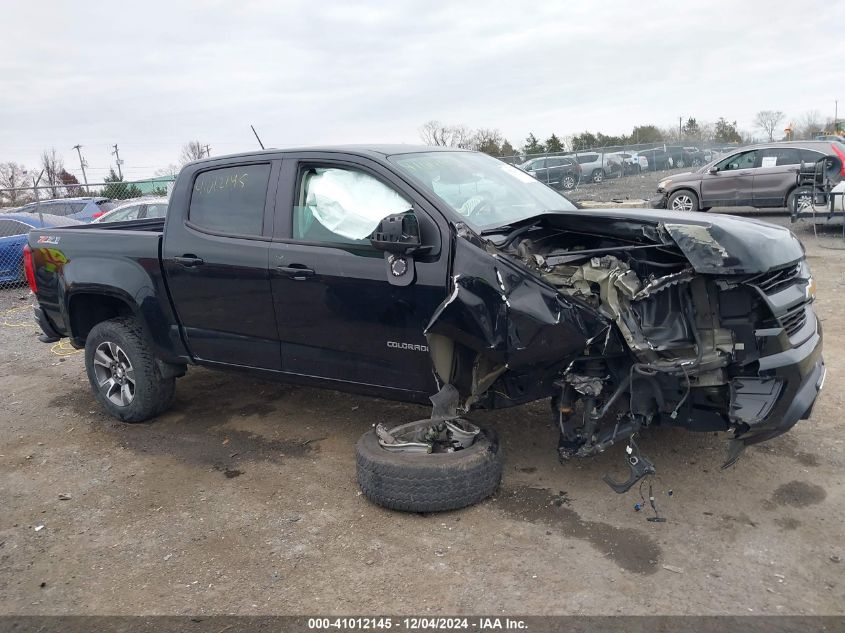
(485, 191)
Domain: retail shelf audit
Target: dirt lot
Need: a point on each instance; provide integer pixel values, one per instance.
(242, 499)
(633, 187)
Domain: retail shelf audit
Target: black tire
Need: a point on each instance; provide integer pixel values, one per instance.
(152, 393)
(569, 181)
(597, 175)
(419, 482)
(799, 195)
(685, 198)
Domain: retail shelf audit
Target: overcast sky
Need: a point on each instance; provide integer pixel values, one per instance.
(151, 76)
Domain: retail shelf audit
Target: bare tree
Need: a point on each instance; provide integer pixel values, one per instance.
(170, 170)
(12, 178)
(71, 183)
(810, 124)
(488, 141)
(436, 133)
(53, 166)
(768, 121)
(193, 150)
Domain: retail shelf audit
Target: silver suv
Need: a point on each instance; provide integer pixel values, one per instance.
(596, 166)
(757, 176)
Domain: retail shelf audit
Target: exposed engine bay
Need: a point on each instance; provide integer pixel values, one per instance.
(641, 325)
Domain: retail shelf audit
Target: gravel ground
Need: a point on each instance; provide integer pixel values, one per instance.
(242, 499)
(640, 186)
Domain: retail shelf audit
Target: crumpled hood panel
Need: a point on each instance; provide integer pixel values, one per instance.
(714, 244)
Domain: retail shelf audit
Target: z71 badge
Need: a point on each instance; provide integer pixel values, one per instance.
(48, 239)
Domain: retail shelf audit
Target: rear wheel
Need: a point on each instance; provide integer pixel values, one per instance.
(598, 175)
(569, 181)
(799, 200)
(123, 372)
(685, 201)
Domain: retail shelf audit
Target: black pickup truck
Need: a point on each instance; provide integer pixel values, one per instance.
(419, 274)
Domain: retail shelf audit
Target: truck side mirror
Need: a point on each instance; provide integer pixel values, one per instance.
(397, 233)
(712, 171)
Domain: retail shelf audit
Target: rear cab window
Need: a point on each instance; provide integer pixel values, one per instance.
(230, 200)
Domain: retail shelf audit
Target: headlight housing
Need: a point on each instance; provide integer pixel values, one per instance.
(664, 184)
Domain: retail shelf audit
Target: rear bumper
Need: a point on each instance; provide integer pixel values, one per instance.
(50, 333)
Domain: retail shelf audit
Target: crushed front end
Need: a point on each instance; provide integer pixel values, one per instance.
(640, 320)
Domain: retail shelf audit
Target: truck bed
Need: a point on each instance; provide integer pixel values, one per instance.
(120, 260)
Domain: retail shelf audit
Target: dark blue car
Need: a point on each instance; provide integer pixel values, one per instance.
(82, 209)
(13, 230)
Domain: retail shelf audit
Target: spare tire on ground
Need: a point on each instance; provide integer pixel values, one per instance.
(429, 482)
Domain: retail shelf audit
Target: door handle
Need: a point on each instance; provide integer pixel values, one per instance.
(295, 271)
(189, 261)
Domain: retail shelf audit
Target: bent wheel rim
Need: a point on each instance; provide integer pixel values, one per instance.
(114, 373)
(682, 203)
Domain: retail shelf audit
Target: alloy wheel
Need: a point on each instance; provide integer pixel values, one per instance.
(682, 203)
(114, 372)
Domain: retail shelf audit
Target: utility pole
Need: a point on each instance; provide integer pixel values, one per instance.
(208, 150)
(680, 128)
(836, 116)
(78, 149)
(118, 161)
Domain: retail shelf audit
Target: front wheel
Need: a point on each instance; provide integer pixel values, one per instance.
(685, 201)
(123, 372)
(598, 175)
(429, 482)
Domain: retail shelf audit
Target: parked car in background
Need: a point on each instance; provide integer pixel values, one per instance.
(657, 158)
(13, 235)
(758, 175)
(561, 172)
(595, 166)
(695, 157)
(830, 137)
(82, 209)
(632, 162)
(138, 209)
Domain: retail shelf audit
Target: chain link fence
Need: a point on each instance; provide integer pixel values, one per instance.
(45, 206)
